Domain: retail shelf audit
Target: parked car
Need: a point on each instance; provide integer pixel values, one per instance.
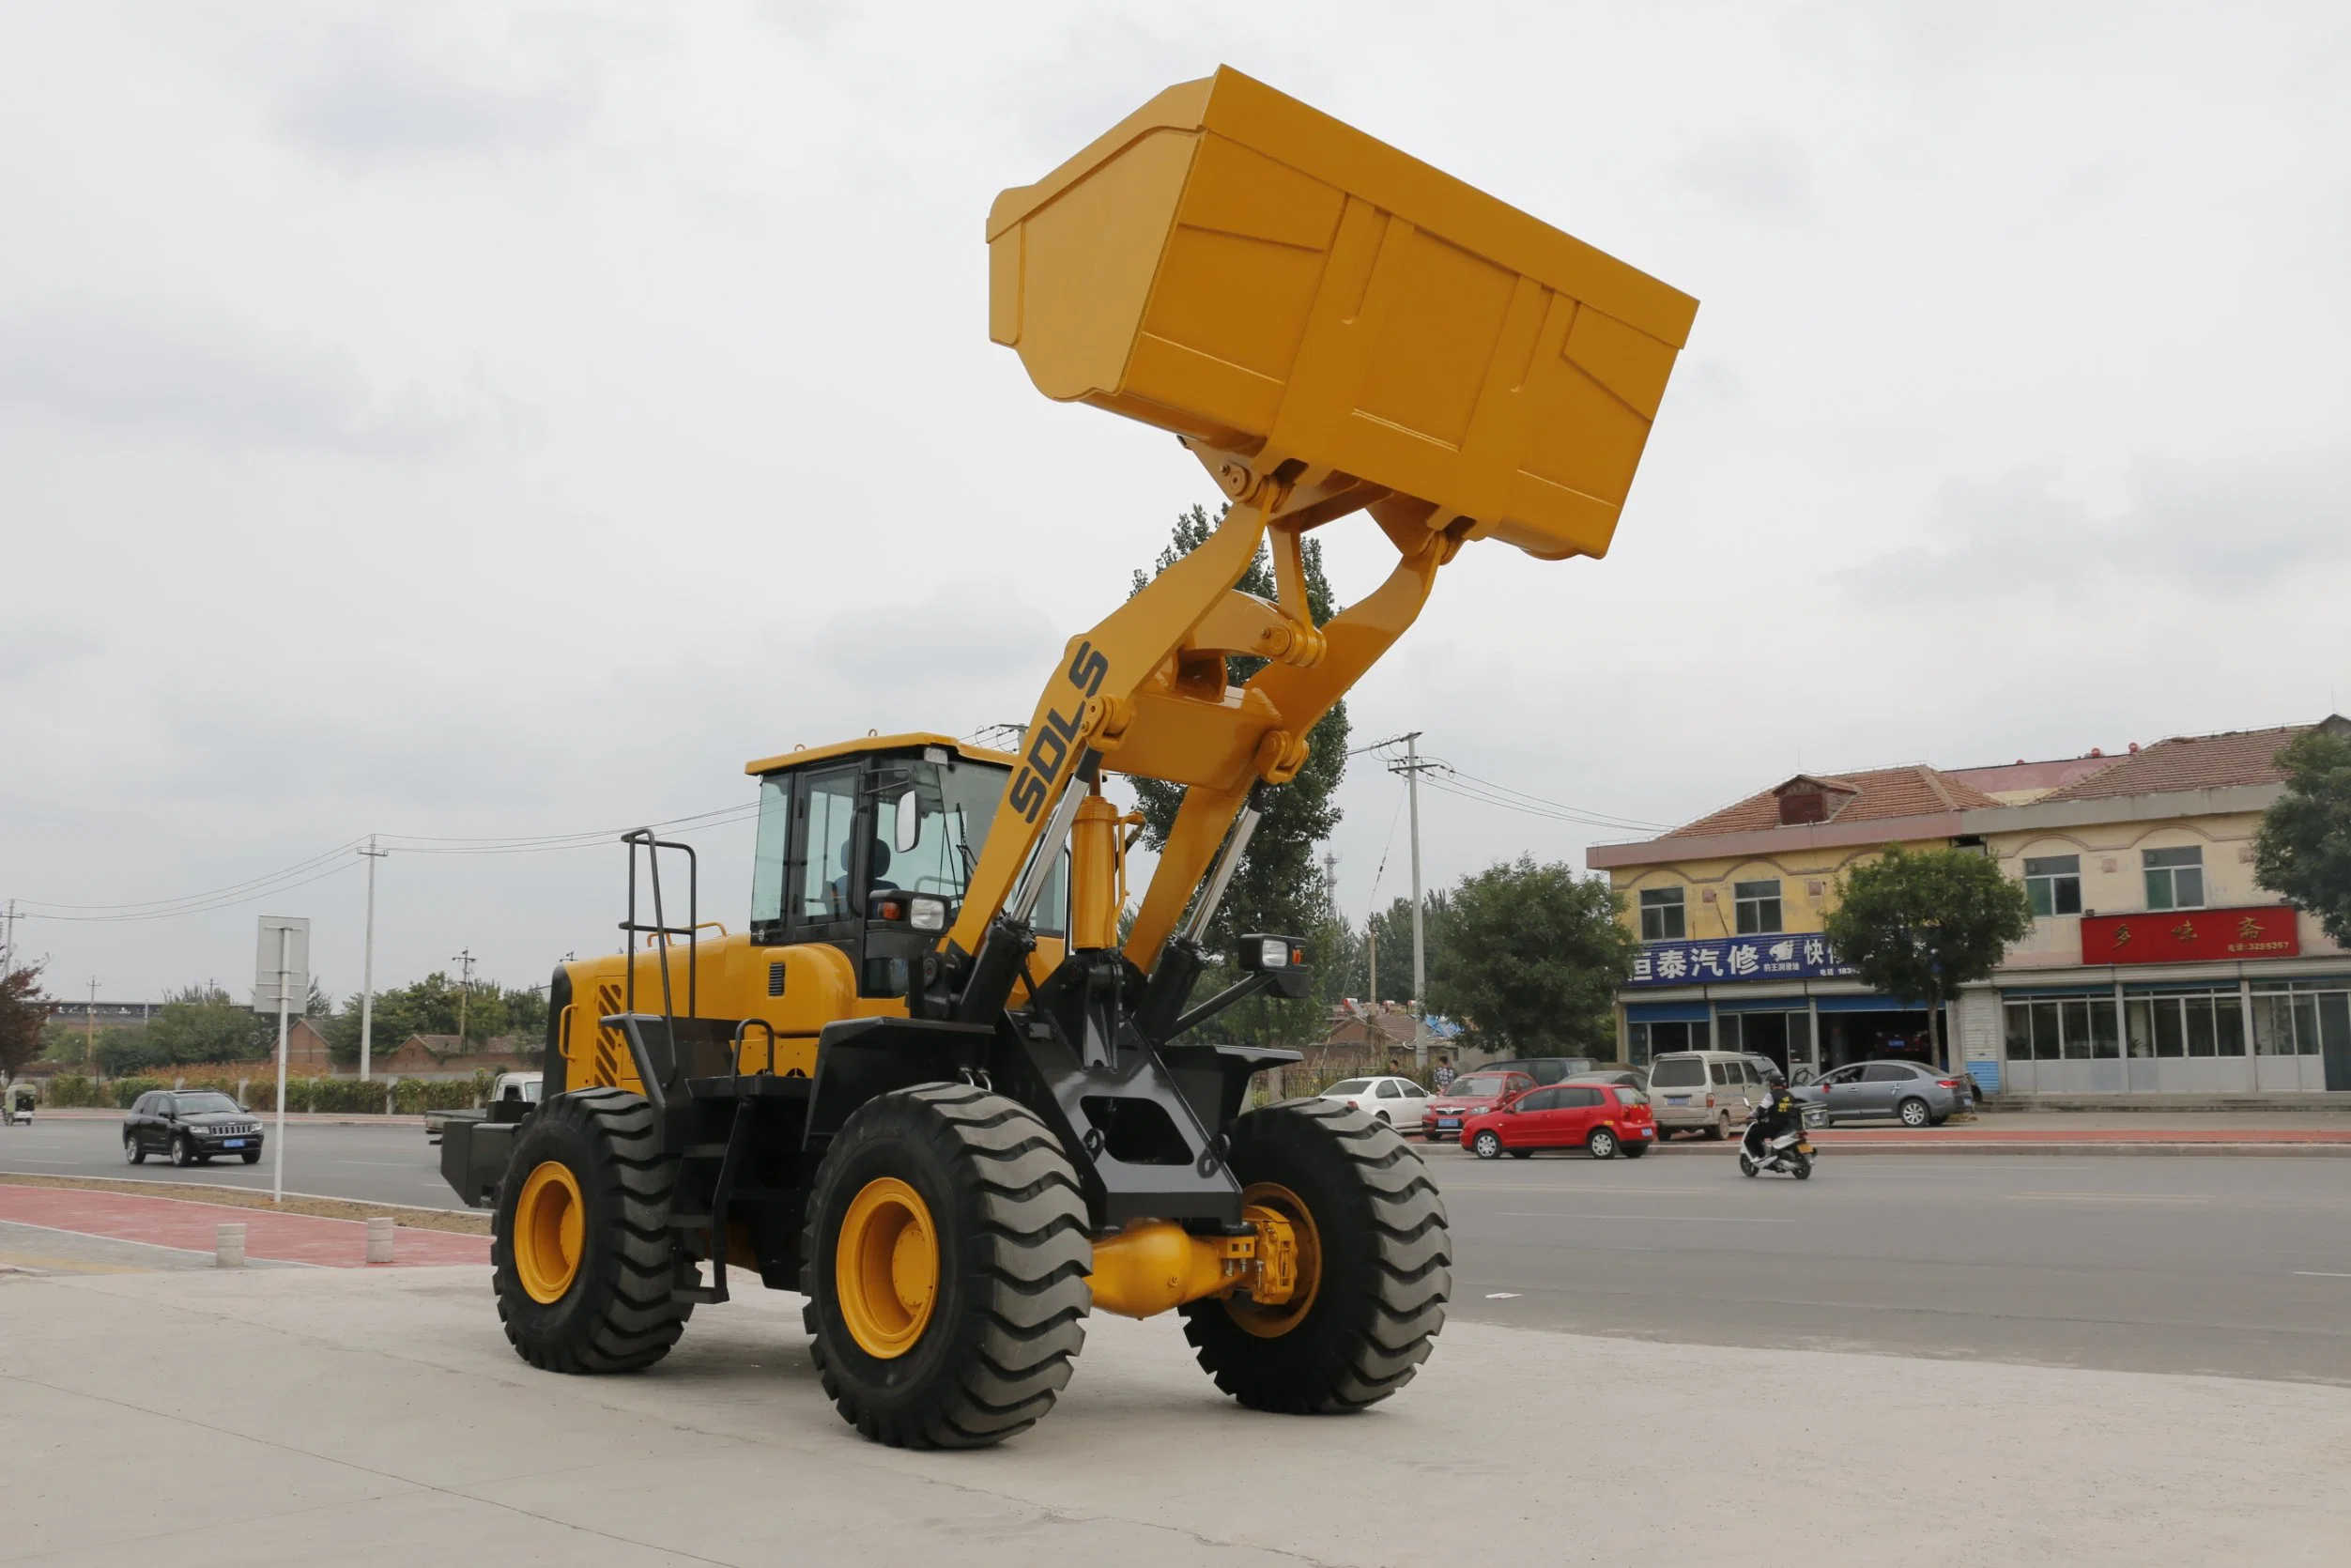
(1543, 1069)
(1398, 1102)
(1710, 1091)
(1604, 1119)
(191, 1127)
(510, 1090)
(1912, 1094)
(1631, 1078)
(1472, 1094)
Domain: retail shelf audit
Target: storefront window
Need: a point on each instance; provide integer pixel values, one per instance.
(2071, 1030)
(2053, 883)
(2203, 1023)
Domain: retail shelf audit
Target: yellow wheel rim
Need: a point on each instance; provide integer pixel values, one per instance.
(550, 1232)
(886, 1267)
(1273, 1322)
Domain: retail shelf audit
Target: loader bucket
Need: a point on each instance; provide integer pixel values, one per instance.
(1233, 265)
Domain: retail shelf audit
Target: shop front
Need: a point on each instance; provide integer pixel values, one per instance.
(2218, 1036)
(1807, 1028)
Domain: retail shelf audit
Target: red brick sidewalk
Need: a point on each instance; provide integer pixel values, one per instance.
(268, 1236)
(1944, 1137)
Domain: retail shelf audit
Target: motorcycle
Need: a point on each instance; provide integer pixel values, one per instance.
(1790, 1151)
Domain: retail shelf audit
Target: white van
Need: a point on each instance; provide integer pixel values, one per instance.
(1712, 1090)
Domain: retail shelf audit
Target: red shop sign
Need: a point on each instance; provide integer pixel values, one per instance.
(2189, 935)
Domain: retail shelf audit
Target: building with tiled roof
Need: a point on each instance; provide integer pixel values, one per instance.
(2156, 963)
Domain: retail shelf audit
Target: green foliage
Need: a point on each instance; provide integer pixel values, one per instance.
(24, 1008)
(1919, 926)
(1532, 956)
(2303, 849)
(1393, 928)
(69, 1091)
(123, 1093)
(436, 1005)
(1279, 887)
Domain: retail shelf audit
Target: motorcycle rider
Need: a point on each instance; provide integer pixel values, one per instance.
(1778, 1114)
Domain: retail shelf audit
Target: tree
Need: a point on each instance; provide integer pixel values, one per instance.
(1533, 955)
(1278, 886)
(25, 1007)
(200, 1023)
(2303, 849)
(1919, 926)
(1393, 926)
(431, 1007)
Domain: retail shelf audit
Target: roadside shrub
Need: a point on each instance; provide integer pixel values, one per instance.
(347, 1096)
(72, 1091)
(123, 1093)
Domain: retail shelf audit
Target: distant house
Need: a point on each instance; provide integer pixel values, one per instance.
(1362, 1030)
(445, 1056)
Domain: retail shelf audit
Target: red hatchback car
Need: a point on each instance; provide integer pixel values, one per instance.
(1470, 1095)
(1607, 1119)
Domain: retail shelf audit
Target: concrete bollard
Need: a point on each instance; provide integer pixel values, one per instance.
(228, 1246)
(380, 1239)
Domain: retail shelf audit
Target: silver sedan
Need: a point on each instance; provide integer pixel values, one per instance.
(1907, 1092)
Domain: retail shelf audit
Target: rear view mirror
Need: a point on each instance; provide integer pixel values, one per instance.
(909, 828)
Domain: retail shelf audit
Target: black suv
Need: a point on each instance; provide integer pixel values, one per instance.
(190, 1126)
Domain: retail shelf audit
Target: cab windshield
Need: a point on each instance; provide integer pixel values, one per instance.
(934, 842)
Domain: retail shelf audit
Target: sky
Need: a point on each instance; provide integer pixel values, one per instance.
(475, 422)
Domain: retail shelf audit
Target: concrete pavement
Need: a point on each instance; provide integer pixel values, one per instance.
(366, 1418)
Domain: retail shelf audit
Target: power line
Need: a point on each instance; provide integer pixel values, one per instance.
(303, 872)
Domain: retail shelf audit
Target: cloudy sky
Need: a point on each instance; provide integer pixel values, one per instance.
(472, 422)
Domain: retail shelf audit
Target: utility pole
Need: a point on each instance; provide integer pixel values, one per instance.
(8, 938)
(464, 992)
(367, 963)
(1411, 766)
(90, 1029)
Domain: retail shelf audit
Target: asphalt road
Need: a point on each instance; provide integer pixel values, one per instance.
(378, 1164)
(2236, 1267)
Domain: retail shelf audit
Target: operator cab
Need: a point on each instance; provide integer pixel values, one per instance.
(869, 845)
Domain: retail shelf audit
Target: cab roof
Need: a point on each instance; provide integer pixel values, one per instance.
(800, 755)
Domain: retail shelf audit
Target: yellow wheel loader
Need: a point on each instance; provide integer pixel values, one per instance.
(932, 1088)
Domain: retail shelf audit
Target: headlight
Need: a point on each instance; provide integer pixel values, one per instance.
(926, 914)
(1273, 953)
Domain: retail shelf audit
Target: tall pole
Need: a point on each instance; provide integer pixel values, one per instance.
(368, 964)
(1420, 948)
(277, 1144)
(464, 992)
(90, 1029)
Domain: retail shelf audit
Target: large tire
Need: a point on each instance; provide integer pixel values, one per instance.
(616, 1314)
(1006, 1313)
(1379, 1279)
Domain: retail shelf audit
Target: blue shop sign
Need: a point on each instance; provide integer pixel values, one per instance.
(1735, 958)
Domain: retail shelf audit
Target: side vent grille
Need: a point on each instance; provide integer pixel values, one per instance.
(776, 978)
(608, 1043)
